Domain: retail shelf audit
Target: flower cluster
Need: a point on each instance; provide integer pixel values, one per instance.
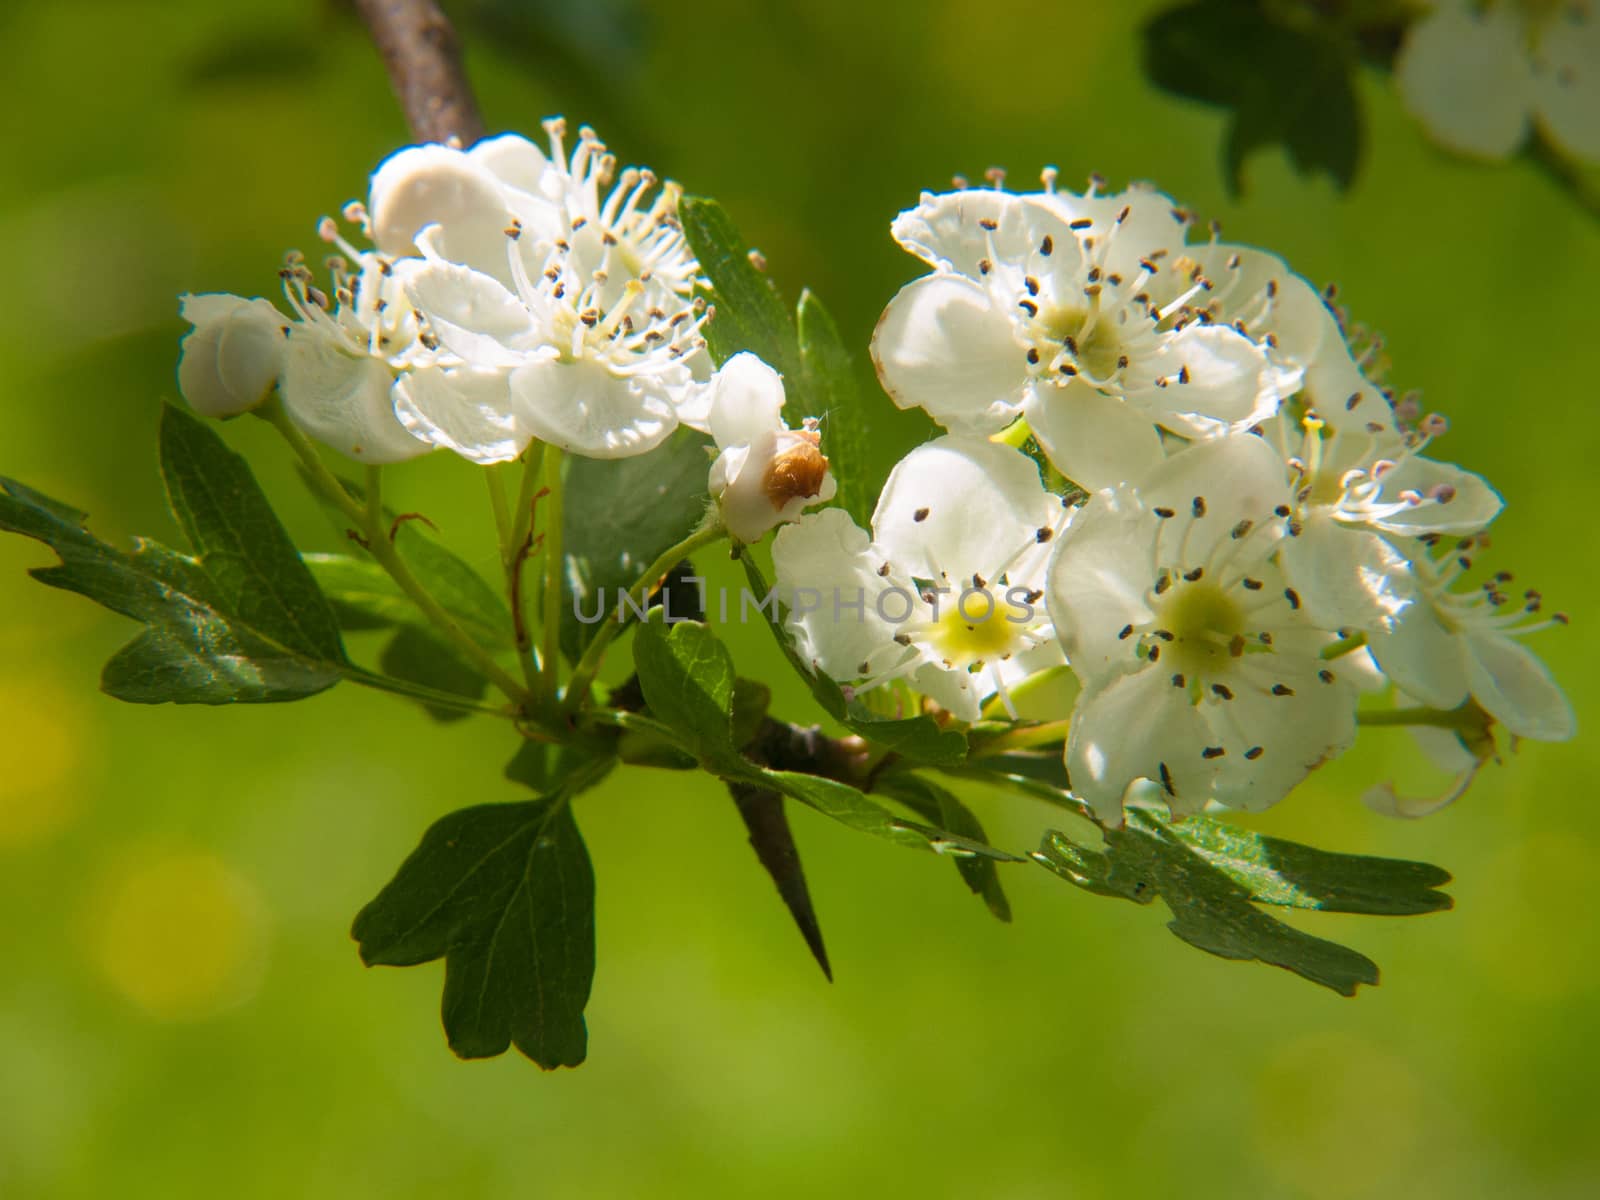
(506, 295)
(1168, 462)
(1238, 534)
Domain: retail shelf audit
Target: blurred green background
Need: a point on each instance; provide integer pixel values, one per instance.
(182, 1013)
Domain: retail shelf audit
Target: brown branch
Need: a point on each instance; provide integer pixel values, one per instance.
(423, 58)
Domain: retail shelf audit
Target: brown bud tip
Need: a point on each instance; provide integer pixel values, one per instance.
(796, 474)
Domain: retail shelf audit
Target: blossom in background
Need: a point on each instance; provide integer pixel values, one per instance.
(233, 356)
(765, 473)
(946, 593)
(1045, 306)
(1477, 74)
(1452, 646)
(1201, 669)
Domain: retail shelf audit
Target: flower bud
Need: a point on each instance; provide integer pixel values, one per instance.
(765, 473)
(233, 356)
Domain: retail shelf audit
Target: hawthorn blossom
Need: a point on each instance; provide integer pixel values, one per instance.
(581, 332)
(1044, 306)
(1476, 75)
(1361, 486)
(231, 359)
(1201, 670)
(1452, 646)
(765, 473)
(946, 591)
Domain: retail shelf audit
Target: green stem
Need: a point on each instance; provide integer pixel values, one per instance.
(417, 691)
(589, 665)
(554, 564)
(516, 543)
(369, 521)
(1024, 737)
(1458, 718)
(1343, 646)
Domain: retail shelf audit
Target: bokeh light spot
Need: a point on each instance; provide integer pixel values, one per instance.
(39, 789)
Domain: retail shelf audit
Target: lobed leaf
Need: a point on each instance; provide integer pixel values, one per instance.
(943, 808)
(243, 623)
(1211, 877)
(504, 893)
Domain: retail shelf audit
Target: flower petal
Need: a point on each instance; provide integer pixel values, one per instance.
(1124, 227)
(1093, 439)
(746, 401)
(474, 316)
(1099, 579)
(1472, 503)
(1260, 289)
(439, 185)
(1235, 478)
(1516, 689)
(960, 505)
(465, 409)
(948, 231)
(1567, 80)
(583, 408)
(945, 346)
(1422, 658)
(1465, 75)
(232, 357)
(1347, 578)
(344, 399)
(1138, 727)
(823, 565)
(1271, 743)
(1205, 380)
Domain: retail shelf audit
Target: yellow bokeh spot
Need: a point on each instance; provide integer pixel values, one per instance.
(39, 792)
(177, 932)
(1327, 1097)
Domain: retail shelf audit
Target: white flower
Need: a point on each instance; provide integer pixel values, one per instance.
(1476, 74)
(945, 593)
(1046, 306)
(1361, 484)
(1453, 645)
(765, 473)
(233, 356)
(1200, 668)
(579, 331)
(346, 352)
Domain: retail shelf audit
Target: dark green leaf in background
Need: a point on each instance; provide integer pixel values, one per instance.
(1280, 84)
(832, 389)
(751, 313)
(417, 655)
(621, 515)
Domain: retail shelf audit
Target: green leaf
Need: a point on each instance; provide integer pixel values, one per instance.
(1281, 85)
(625, 514)
(254, 568)
(1211, 892)
(365, 597)
(761, 810)
(942, 807)
(1275, 871)
(417, 655)
(688, 681)
(750, 703)
(920, 738)
(830, 376)
(687, 677)
(196, 647)
(504, 893)
(751, 314)
(362, 589)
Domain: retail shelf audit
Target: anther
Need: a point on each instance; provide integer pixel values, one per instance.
(1199, 506)
(920, 515)
(1293, 597)
(1222, 689)
(1253, 753)
(1282, 689)
(1213, 752)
